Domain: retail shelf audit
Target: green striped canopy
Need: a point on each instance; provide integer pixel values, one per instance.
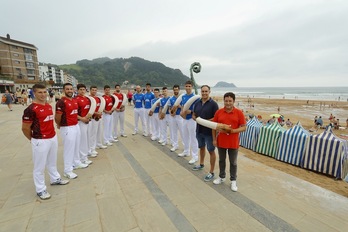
(269, 138)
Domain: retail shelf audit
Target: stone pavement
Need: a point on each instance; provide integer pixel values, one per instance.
(139, 185)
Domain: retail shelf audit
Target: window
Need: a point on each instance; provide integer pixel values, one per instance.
(27, 50)
(14, 47)
(31, 78)
(15, 54)
(20, 76)
(28, 56)
(17, 62)
(18, 70)
(29, 65)
(30, 72)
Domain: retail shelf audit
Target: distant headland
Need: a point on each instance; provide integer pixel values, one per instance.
(223, 84)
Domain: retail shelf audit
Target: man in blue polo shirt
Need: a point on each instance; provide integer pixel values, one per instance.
(205, 108)
(138, 101)
(148, 96)
(176, 120)
(154, 117)
(164, 116)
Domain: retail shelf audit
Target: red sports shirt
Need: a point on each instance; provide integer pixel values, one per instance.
(236, 119)
(41, 117)
(84, 104)
(68, 108)
(109, 102)
(120, 97)
(97, 100)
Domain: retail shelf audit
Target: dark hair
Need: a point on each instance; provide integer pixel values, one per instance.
(93, 87)
(164, 88)
(117, 85)
(230, 94)
(205, 86)
(157, 89)
(176, 86)
(38, 86)
(66, 84)
(188, 82)
(79, 86)
(148, 84)
(106, 87)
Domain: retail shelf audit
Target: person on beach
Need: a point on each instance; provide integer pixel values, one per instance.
(189, 127)
(24, 97)
(83, 121)
(205, 108)
(130, 97)
(8, 100)
(148, 96)
(319, 123)
(138, 101)
(228, 142)
(154, 117)
(38, 127)
(119, 113)
(107, 117)
(176, 119)
(66, 120)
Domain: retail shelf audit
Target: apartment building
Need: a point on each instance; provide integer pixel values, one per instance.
(18, 62)
(51, 74)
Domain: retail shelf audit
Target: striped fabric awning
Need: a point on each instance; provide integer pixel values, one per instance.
(326, 153)
(269, 138)
(293, 145)
(248, 138)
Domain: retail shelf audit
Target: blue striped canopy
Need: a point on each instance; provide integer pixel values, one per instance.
(292, 145)
(269, 138)
(248, 138)
(326, 153)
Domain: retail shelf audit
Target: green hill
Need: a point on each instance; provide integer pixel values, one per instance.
(135, 70)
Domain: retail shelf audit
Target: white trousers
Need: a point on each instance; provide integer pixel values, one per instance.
(84, 147)
(107, 119)
(148, 121)
(71, 143)
(164, 123)
(92, 134)
(44, 155)
(139, 113)
(189, 138)
(118, 117)
(155, 126)
(175, 126)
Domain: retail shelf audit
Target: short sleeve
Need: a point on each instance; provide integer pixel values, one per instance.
(28, 115)
(60, 106)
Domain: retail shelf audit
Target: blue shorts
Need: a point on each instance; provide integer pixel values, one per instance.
(205, 140)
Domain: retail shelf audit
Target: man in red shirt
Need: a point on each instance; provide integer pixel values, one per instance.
(66, 120)
(37, 126)
(228, 141)
(119, 113)
(84, 105)
(107, 117)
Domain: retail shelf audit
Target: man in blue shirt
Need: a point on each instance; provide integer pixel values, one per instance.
(155, 118)
(138, 101)
(189, 127)
(205, 108)
(176, 119)
(164, 117)
(148, 96)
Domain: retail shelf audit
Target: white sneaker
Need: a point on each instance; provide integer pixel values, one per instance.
(102, 147)
(93, 154)
(108, 144)
(124, 135)
(153, 138)
(88, 162)
(113, 141)
(81, 166)
(173, 149)
(160, 141)
(234, 187)
(70, 175)
(145, 134)
(134, 133)
(219, 180)
(115, 137)
(192, 161)
(183, 154)
(163, 144)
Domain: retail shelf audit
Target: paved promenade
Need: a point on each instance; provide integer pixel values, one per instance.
(139, 185)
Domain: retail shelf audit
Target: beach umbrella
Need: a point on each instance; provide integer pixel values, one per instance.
(248, 138)
(293, 145)
(326, 153)
(275, 115)
(269, 138)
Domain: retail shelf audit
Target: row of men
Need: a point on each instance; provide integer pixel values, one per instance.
(81, 133)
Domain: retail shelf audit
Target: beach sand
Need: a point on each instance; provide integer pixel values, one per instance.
(298, 110)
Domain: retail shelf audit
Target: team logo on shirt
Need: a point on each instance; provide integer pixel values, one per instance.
(48, 118)
(73, 112)
(87, 107)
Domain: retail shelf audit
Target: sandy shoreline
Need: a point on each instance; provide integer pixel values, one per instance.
(298, 110)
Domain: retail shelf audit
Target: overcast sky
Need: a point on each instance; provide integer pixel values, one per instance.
(249, 43)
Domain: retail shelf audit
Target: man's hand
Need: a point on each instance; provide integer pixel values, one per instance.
(150, 113)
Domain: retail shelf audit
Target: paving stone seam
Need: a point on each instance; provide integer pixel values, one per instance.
(265, 217)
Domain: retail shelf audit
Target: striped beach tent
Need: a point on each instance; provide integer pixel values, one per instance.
(269, 138)
(248, 138)
(293, 145)
(326, 153)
